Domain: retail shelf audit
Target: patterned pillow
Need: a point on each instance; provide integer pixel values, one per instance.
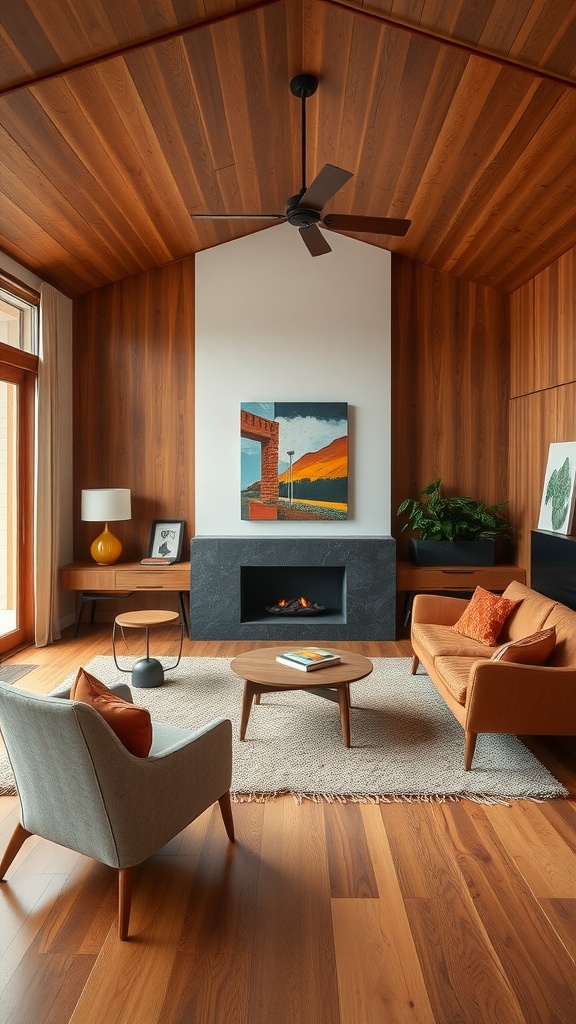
(132, 725)
(484, 616)
(532, 650)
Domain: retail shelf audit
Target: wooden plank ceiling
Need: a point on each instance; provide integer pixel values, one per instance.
(118, 119)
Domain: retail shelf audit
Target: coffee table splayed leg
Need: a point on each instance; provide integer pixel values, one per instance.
(263, 674)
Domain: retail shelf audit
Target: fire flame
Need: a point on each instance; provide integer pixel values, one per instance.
(304, 602)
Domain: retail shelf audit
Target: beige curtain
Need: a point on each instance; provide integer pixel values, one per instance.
(47, 489)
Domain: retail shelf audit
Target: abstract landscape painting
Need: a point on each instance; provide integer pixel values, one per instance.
(294, 461)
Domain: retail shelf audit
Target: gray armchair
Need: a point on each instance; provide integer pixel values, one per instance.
(81, 788)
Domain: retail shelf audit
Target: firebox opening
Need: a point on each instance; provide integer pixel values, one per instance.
(265, 586)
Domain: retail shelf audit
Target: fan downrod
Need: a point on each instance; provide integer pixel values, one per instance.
(303, 85)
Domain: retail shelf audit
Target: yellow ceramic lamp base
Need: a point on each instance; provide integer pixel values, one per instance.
(106, 549)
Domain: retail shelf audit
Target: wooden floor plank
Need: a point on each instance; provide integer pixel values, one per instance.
(562, 916)
(464, 976)
(538, 967)
(349, 864)
(371, 980)
(120, 988)
(45, 988)
(293, 978)
(210, 977)
(84, 910)
(24, 908)
(544, 860)
(379, 973)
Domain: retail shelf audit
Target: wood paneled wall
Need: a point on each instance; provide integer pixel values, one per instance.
(450, 357)
(134, 402)
(542, 385)
(457, 412)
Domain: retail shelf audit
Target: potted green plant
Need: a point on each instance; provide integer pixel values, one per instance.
(452, 531)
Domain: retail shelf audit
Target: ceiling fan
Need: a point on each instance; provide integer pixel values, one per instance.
(305, 210)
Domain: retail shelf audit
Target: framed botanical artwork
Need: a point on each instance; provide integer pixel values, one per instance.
(166, 539)
(294, 461)
(557, 505)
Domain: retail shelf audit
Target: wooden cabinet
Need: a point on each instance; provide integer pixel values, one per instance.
(94, 582)
(413, 579)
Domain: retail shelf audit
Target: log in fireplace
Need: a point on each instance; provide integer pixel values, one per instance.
(236, 580)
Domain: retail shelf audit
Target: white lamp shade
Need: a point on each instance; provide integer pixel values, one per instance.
(106, 505)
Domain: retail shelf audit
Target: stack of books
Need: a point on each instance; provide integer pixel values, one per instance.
(307, 659)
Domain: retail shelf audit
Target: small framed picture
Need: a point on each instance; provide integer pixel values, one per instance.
(559, 491)
(166, 539)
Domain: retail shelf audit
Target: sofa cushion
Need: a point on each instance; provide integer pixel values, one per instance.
(564, 621)
(131, 724)
(442, 640)
(454, 674)
(484, 617)
(529, 615)
(531, 650)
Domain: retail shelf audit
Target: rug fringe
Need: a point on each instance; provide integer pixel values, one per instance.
(381, 798)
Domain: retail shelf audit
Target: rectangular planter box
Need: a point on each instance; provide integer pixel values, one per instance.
(445, 552)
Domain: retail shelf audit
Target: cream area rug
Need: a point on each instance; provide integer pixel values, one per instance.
(406, 744)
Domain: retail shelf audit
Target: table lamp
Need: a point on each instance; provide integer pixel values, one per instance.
(104, 505)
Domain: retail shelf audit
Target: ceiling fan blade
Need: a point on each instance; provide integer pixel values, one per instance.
(372, 225)
(326, 183)
(238, 216)
(314, 241)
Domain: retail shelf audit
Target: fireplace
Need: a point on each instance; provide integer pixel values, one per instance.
(234, 580)
(262, 587)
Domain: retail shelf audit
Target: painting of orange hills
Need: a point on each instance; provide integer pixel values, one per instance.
(311, 478)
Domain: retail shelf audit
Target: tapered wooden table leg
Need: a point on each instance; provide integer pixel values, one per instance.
(344, 705)
(250, 689)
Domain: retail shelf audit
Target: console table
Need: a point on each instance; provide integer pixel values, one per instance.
(413, 579)
(101, 582)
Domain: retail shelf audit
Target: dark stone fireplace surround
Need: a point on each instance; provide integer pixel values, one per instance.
(234, 578)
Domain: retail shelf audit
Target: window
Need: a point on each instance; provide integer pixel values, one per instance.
(18, 322)
(18, 370)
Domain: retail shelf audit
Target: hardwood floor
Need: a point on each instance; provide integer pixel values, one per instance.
(320, 914)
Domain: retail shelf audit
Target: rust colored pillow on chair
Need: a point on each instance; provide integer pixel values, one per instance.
(484, 616)
(131, 724)
(531, 650)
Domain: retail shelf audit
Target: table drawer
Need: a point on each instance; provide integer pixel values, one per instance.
(152, 579)
(88, 579)
(493, 577)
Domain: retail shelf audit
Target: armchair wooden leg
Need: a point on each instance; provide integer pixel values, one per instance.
(19, 836)
(469, 748)
(226, 809)
(415, 663)
(125, 876)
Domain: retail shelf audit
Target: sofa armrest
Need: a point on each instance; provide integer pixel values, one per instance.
(523, 699)
(438, 610)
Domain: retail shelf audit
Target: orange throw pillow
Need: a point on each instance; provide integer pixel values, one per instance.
(131, 724)
(532, 650)
(484, 616)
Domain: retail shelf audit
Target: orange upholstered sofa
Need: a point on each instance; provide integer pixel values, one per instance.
(486, 695)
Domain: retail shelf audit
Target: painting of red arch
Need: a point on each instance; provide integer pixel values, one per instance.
(294, 461)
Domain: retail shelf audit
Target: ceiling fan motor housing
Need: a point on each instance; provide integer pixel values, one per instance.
(301, 216)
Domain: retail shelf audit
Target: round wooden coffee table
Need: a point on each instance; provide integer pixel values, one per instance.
(263, 674)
